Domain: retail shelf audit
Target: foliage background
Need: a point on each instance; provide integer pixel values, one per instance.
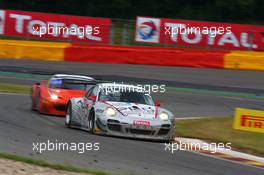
(235, 11)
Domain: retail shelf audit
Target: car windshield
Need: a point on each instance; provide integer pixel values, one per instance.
(69, 84)
(127, 96)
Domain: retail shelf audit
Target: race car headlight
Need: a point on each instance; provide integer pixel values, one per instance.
(110, 111)
(54, 97)
(164, 116)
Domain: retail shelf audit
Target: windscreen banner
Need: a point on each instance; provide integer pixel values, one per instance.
(54, 27)
(199, 34)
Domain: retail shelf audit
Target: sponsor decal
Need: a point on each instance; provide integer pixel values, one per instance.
(122, 108)
(109, 104)
(56, 82)
(55, 27)
(141, 123)
(99, 111)
(200, 33)
(147, 30)
(252, 121)
(249, 120)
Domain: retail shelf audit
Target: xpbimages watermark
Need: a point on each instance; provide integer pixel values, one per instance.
(211, 147)
(184, 29)
(58, 30)
(56, 145)
(141, 88)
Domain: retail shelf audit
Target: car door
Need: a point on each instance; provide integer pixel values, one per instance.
(88, 104)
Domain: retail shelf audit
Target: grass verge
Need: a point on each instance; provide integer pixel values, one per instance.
(14, 88)
(220, 130)
(49, 165)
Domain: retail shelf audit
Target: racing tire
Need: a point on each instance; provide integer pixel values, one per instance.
(33, 104)
(91, 122)
(68, 115)
(38, 103)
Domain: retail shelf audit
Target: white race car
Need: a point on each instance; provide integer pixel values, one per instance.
(120, 110)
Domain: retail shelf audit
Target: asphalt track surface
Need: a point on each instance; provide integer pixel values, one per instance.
(219, 79)
(182, 104)
(20, 127)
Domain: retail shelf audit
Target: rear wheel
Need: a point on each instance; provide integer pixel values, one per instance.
(68, 115)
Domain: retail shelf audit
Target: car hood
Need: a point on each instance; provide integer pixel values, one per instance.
(134, 110)
(66, 93)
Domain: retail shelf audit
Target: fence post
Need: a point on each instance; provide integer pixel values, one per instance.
(124, 34)
(112, 34)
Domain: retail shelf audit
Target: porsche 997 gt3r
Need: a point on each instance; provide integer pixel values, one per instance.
(51, 96)
(115, 109)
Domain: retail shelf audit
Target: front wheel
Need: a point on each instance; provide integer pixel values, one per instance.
(68, 117)
(33, 104)
(91, 122)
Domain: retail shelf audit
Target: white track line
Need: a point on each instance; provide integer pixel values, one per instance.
(12, 93)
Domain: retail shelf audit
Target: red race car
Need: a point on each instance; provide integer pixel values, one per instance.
(51, 96)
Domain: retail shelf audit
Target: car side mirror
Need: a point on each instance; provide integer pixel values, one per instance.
(157, 103)
(36, 85)
(43, 82)
(93, 98)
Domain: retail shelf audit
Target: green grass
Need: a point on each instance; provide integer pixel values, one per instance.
(14, 88)
(220, 130)
(49, 165)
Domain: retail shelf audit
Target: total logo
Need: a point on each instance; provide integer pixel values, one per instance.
(147, 30)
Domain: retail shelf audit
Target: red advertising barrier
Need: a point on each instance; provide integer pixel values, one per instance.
(54, 27)
(199, 34)
(144, 55)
